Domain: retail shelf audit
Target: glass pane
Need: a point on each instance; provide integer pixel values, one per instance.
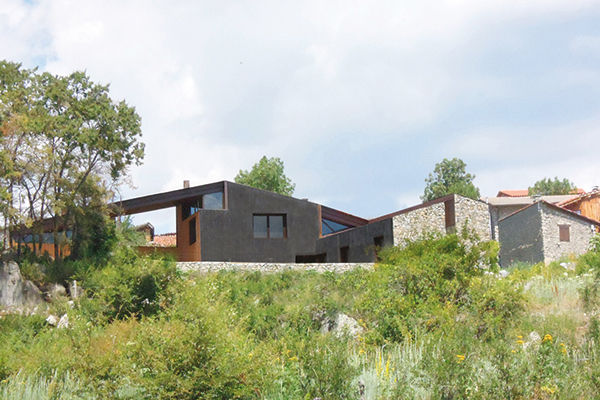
(331, 227)
(260, 226)
(213, 201)
(276, 226)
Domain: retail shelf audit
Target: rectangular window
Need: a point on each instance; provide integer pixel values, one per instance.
(192, 231)
(564, 233)
(270, 226)
(344, 252)
(450, 214)
(212, 201)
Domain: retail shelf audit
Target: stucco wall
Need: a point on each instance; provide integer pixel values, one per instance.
(521, 237)
(475, 214)
(580, 234)
(214, 266)
(413, 224)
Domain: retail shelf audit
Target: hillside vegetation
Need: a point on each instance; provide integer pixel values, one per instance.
(437, 322)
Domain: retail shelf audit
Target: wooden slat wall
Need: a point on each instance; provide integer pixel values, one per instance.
(591, 208)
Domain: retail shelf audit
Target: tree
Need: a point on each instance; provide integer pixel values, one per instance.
(450, 176)
(267, 174)
(68, 144)
(548, 187)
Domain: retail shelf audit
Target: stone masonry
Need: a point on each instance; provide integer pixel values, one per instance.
(580, 233)
(215, 266)
(413, 224)
(475, 214)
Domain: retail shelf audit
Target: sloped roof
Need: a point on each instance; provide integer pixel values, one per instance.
(581, 197)
(554, 207)
(525, 192)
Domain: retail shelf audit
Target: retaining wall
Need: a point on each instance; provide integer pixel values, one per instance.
(214, 266)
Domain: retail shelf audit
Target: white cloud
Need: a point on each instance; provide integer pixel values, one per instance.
(220, 84)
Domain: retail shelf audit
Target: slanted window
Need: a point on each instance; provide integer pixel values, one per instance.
(564, 233)
(329, 226)
(192, 231)
(270, 226)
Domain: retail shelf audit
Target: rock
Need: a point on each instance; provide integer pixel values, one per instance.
(15, 292)
(55, 291)
(503, 273)
(341, 325)
(63, 323)
(75, 290)
(52, 320)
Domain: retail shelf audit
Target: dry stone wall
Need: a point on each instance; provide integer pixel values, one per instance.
(215, 266)
(476, 214)
(413, 224)
(580, 234)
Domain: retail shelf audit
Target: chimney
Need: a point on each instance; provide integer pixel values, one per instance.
(186, 184)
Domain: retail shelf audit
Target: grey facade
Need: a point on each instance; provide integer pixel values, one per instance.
(228, 222)
(543, 232)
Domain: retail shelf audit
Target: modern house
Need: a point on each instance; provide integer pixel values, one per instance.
(543, 232)
(225, 221)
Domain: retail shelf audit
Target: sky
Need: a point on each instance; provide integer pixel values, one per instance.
(360, 99)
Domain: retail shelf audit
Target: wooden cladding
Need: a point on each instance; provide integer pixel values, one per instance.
(564, 233)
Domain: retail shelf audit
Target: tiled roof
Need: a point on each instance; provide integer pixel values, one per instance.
(582, 196)
(524, 193)
(164, 240)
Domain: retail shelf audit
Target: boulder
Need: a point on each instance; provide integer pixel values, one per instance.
(63, 323)
(15, 292)
(52, 320)
(55, 291)
(341, 325)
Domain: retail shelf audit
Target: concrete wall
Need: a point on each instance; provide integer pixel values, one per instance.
(474, 213)
(521, 237)
(360, 242)
(580, 234)
(208, 266)
(228, 235)
(413, 224)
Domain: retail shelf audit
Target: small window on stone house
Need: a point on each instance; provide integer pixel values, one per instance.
(564, 233)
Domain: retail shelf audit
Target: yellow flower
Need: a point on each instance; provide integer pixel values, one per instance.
(520, 341)
(549, 389)
(519, 337)
(460, 358)
(293, 358)
(563, 348)
(547, 338)
(361, 351)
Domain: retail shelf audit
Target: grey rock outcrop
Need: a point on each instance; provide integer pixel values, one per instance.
(15, 292)
(341, 325)
(55, 291)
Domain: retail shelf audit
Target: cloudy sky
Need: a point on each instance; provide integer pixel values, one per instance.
(360, 99)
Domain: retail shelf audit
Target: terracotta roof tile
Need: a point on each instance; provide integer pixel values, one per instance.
(164, 240)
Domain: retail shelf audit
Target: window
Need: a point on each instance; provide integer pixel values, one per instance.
(210, 201)
(564, 233)
(450, 214)
(192, 231)
(270, 226)
(328, 226)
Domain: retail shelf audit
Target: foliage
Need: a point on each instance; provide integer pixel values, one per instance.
(548, 187)
(450, 176)
(67, 144)
(438, 323)
(267, 174)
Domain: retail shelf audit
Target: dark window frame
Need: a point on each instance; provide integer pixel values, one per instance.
(192, 231)
(564, 233)
(191, 207)
(284, 218)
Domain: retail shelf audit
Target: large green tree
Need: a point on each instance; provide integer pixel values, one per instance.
(267, 174)
(450, 176)
(548, 187)
(67, 142)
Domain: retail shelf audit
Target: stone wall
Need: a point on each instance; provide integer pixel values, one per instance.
(476, 214)
(413, 224)
(214, 266)
(580, 234)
